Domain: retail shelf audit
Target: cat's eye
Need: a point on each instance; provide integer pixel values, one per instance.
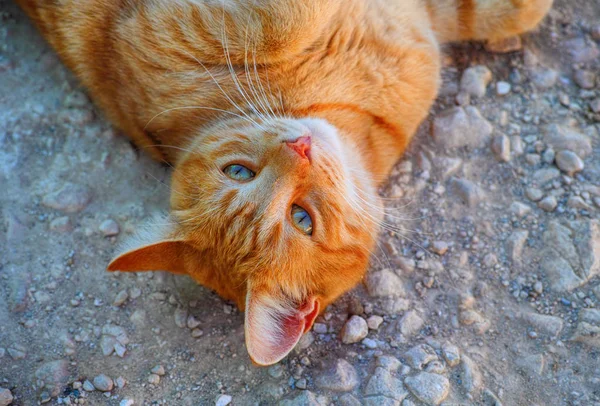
(238, 172)
(302, 220)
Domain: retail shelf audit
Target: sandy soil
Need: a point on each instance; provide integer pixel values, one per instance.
(494, 259)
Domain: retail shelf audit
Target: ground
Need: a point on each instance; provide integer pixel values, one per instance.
(484, 289)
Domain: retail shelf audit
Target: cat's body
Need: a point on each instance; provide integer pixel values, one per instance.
(202, 83)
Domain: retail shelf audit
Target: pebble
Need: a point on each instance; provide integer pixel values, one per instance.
(504, 45)
(341, 377)
(374, 322)
(126, 402)
(103, 383)
(61, 225)
(388, 362)
(384, 283)
(595, 105)
(585, 79)
(410, 324)
(158, 370)
(503, 88)
(470, 376)
(305, 341)
(121, 298)
(567, 138)
(320, 328)
(474, 80)
(369, 343)
(532, 365)
(439, 247)
(429, 388)
(451, 354)
(548, 204)
(419, 356)
(382, 383)
(545, 175)
(577, 202)
(568, 162)
(70, 198)
(543, 78)
(516, 244)
(306, 398)
(301, 383)
(534, 194)
(588, 328)
(6, 397)
(461, 127)
(154, 379)
(520, 209)
(354, 330)
(181, 316)
(109, 228)
(196, 333)
(54, 375)
(467, 191)
(223, 400)
(501, 147)
(88, 386)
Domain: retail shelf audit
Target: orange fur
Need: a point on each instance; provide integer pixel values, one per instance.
(205, 83)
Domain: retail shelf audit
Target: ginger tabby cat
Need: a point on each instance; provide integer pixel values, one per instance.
(281, 118)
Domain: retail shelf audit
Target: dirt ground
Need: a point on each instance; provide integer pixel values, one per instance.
(495, 274)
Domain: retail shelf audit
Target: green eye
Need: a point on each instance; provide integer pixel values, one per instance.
(302, 220)
(238, 172)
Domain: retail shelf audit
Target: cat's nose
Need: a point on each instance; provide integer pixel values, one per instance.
(301, 146)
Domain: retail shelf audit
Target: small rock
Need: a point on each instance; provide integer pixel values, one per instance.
(103, 383)
(419, 356)
(388, 362)
(121, 382)
(354, 330)
(550, 325)
(301, 383)
(504, 45)
(341, 377)
(61, 225)
(490, 260)
(467, 191)
(569, 162)
(410, 324)
(305, 341)
(503, 88)
(158, 370)
(451, 354)
(320, 328)
(520, 209)
(461, 127)
(548, 204)
(490, 399)
(532, 365)
(439, 247)
(429, 388)
(475, 80)
(588, 328)
(382, 383)
(197, 333)
(70, 198)
(384, 283)
(153, 379)
(543, 78)
(595, 105)
(516, 244)
(54, 375)
(374, 322)
(121, 298)
(181, 316)
(6, 397)
(88, 386)
(470, 376)
(543, 176)
(126, 402)
(501, 147)
(355, 307)
(534, 194)
(109, 228)
(585, 79)
(567, 138)
(349, 400)
(223, 400)
(306, 398)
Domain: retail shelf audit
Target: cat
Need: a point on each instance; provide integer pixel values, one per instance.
(281, 119)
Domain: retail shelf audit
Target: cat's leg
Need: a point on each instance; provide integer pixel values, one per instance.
(456, 20)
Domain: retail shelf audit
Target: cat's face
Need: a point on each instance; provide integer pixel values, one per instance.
(277, 216)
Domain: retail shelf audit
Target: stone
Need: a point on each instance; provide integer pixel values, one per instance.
(419, 356)
(70, 198)
(580, 51)
(181, 315)
(451, 354)
(571, 254)
(305, 341)
(382, 383)
(103, 383)
(384, 283)
(88, 386)
(388, 362)
(501, 147)
(577, 202)
(588, 328)
(545, 175)
(61, 225)
(532, 365)
(349, 400)
(469, 193)
(341, 377)
(153, 379)
(223, 400)
(121, 298)
(410, 324)
(354, 330)
(549, 203)
(320, 328)
(306, 398)
(520, 209)
(474, 80)
(158, 370)
(534, 194)
(461, 127)
(567, 138)
(109, 228)
(6, 397)
(429, 388)
(446, 166)
(504, 45)
(543, 78)
(439, 247)
(516, 244)
(585, 79)
(373, 322)
(126, 402)
(545, 324)
(490, 399)
(53, 376)
(503, 88)
(568, 162)
(470, 376)
(595, 105)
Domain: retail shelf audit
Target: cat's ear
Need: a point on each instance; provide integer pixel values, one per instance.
(273, 326)
(170, 255)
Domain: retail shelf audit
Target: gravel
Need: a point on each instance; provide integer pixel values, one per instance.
(354, 330)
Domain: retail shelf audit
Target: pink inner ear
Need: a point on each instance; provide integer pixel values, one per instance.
(273, 328)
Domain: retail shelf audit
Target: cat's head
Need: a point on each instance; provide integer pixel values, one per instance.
(278, 216)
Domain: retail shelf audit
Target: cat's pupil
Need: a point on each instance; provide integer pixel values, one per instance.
(238, 172)
(302, 220)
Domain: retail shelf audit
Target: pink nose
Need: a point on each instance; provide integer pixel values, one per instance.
(301, 146)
